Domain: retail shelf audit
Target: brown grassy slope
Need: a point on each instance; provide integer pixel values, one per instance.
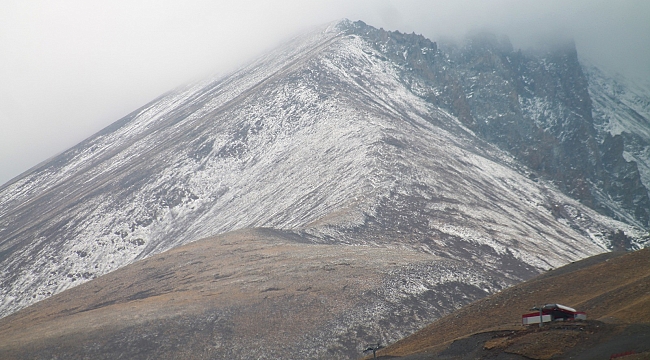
(615, 290)
(250, 289)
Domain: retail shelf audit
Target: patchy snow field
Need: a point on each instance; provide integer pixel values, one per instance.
(321, 137)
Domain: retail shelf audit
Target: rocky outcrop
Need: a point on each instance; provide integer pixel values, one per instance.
(536, 105)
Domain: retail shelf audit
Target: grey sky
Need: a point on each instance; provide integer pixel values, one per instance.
(70, 67)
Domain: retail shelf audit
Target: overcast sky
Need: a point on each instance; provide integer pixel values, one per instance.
(68, 68)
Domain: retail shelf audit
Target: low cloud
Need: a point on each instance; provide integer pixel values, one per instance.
(71, 67)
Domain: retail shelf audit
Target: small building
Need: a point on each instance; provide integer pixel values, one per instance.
(553, 312)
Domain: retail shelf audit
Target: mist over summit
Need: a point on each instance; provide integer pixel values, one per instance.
(480, 164)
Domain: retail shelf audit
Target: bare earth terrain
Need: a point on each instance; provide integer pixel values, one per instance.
(259, 293)
(613, 289)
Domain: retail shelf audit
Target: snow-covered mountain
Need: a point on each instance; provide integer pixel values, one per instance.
(537, 106)
(347, 136)
(621, 110)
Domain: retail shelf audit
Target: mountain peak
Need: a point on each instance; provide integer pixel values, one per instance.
(345, 136)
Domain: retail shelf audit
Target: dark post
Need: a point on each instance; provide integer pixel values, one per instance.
(541, 318)
(373, 348)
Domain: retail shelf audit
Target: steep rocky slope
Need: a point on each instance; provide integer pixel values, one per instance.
(537, 106)
(344, 137)
(621, 112)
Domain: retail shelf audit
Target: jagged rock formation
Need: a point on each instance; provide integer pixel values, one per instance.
(346, 136)
(536, 106)
(621, 112)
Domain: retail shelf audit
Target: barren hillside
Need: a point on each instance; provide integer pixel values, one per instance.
(613, 289)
